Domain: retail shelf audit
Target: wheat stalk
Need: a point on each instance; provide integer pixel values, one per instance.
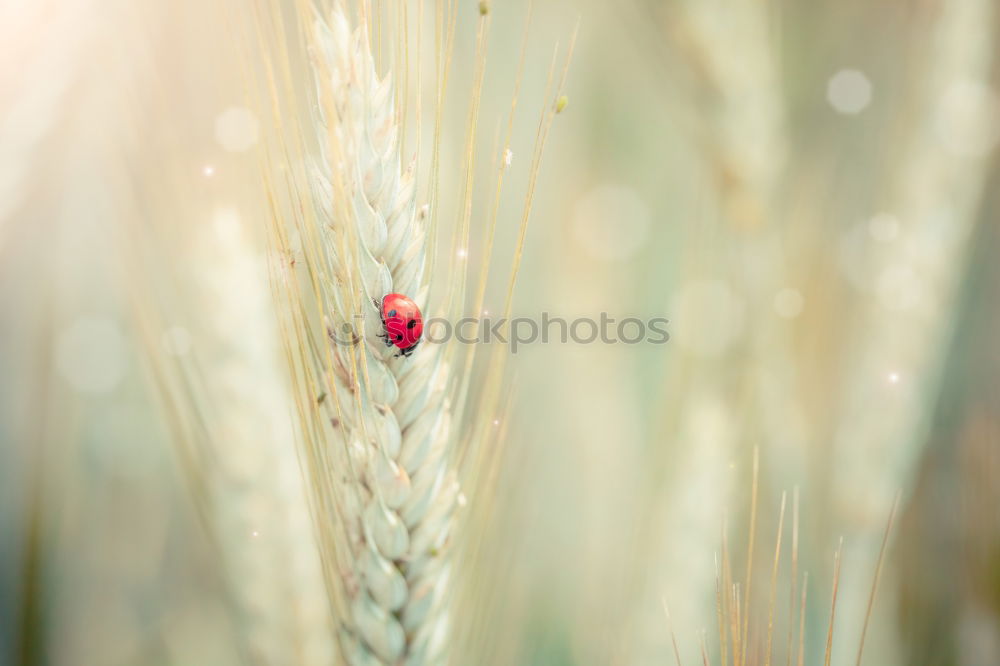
(731, 60)
(223, 391)
(392, 413)
(935, 195)
(256, 492)
(385, 438)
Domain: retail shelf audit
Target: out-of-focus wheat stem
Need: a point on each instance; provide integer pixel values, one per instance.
(42, 47)
(732, 61)
(934, 194)
(227, 404)
(46, 42)
(906, 319)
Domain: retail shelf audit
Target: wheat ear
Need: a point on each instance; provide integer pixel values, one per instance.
(384, 439)
(260, 512)
(935, 194)
(392, 413)
(224, 395)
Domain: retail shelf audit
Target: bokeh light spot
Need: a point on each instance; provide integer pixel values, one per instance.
(849, 91)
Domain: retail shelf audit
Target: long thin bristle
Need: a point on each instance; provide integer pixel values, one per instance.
(793, 578)
(720, 609)
(833, 602)
(774, 581)
(750, 545)
(673, 636)
(875, 579)
(802, 619)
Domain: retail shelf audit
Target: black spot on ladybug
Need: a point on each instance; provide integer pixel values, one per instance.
(399, 337)
(411, 323)
(392, 313)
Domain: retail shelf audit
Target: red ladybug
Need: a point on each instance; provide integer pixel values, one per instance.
(402, 321)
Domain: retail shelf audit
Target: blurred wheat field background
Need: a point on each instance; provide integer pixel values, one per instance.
(805, 190)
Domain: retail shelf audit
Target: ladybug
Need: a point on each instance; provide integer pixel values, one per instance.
(402, 322)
